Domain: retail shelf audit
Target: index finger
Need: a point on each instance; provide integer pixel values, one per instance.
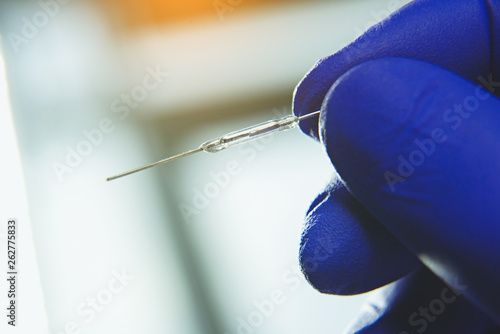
(459, 35)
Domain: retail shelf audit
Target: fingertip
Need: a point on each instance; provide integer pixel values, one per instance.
(421, 302)
(453, 34)
(375, 110)
(345, 251)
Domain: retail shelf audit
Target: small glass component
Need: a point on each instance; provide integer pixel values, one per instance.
(233, 138)
(250, 133)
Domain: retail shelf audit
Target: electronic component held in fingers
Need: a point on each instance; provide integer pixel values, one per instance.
(233, 138)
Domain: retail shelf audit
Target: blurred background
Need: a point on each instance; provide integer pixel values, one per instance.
(207, 244)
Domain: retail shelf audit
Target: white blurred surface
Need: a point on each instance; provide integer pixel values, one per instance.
(31, 315)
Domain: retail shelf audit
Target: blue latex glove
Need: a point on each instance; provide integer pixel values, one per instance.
(416, 142)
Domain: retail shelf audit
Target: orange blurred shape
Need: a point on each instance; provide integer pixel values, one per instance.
(136, 13)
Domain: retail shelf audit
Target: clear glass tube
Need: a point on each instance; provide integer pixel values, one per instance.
(250, 133)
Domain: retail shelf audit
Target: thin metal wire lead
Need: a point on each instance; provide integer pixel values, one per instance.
(309, 115)
(233, 138)
(185, 154)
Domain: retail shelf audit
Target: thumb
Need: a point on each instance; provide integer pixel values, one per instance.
(420, 303)
(419, 147)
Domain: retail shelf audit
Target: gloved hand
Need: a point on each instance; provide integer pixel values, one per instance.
(411, 122)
